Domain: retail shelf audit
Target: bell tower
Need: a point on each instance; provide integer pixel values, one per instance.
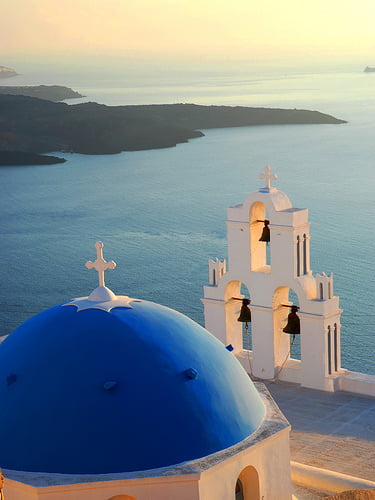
(274, 266)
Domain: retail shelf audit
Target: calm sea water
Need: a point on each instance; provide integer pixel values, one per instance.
(161, 213)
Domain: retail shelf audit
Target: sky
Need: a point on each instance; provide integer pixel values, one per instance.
(188, 30)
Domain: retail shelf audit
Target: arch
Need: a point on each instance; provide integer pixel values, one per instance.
(329, 351)
(258, 249)
(335, 346)
(304, 254)
(249, 481)
(283, 349)
(298, 256)
(321, 295)
(122, 497)
(257, 211)
(236, 331)
(239, 494)
(232, 289)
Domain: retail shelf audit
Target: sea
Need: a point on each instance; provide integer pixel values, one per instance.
(161, 213)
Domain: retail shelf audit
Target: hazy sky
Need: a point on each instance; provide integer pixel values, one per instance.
(192, 29)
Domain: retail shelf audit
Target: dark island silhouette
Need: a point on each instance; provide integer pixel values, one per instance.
(11, 158)
(34, 125)
(49, 92)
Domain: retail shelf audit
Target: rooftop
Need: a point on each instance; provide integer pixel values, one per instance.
(333, 431)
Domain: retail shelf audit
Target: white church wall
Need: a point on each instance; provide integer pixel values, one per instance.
(158, 488)
(14, 490)
(270, 459)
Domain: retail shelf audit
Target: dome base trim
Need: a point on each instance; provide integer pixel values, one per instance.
(101, 298)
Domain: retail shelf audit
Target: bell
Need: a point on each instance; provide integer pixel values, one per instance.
(245, 313)
(293, 325)
(266, 232)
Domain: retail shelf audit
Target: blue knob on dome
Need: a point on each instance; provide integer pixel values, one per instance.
(191, 373)
(109, 385)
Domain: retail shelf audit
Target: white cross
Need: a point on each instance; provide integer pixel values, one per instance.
(268, 176)
(100, 264)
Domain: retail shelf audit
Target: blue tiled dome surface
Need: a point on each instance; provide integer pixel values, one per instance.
(93, 392)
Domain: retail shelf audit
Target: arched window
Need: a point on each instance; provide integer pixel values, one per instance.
(298, 256)
(335, 346)
(321, 296)
(239, 491)
(214, 277)
(329, 351)
(304, 254)
(247, 485)
(329, 290)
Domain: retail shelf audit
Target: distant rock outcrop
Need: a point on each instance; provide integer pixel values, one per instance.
(7, 72)
(369, 69)
(41, 126)
(50, 92)
(11, 158)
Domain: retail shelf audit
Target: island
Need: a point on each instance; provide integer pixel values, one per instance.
(11, 158)
(7, 72)
(50, 92)
(369, 69)
(40, 126)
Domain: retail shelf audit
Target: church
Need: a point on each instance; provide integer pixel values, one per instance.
(108, 397)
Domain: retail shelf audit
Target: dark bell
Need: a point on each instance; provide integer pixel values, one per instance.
(266, 232)
(245, 314)
(293, 325)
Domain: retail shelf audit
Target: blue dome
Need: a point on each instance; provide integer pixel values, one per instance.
(136, 388)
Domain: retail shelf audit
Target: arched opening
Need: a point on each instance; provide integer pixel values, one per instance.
(237, 322)
(247, 341)
(260, 254)
(287, 345)
(329, 354)
(295, 348)
(247, 485)
(239, 490)
(335, 347)
(298, 250)
(122, 497)
(304, 254)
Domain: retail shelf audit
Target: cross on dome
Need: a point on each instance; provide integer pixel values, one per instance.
(102, 297)
(100, 264)
(268, 176)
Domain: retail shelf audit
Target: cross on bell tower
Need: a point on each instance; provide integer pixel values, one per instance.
(100, 264)
(268, 176)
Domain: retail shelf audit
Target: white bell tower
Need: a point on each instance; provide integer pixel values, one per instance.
(270, 271)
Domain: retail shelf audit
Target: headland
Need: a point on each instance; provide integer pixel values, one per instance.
(41, 126)
(50, 92)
